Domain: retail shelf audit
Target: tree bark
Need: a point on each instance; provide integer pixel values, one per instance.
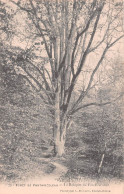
(59, 139)
(60, 127)
(59, 148)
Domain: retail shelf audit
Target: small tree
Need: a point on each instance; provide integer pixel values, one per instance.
(62, 37)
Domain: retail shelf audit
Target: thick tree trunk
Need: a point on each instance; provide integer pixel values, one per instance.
(59, 139)
(59, 146)
(59, 132)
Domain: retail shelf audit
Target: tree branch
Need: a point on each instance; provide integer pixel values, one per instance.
(96, 104)
(110, 45)
(84, 55)
(42, 74)
(22, 8)
(47, 93)
(25, 77)
(38, 26)
(84, 93)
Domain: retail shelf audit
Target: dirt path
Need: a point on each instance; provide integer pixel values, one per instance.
(60, 169)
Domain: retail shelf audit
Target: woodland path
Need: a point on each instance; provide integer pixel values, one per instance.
(60, 169)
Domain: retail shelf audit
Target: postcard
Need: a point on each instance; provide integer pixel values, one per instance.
(61, 96)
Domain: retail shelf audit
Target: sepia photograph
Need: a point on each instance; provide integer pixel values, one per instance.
(61, 96)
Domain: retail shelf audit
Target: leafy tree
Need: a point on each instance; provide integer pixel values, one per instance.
(60, 39)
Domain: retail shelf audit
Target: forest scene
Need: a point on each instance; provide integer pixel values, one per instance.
(61, 89)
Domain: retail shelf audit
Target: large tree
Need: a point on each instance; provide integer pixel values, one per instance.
(61, 38)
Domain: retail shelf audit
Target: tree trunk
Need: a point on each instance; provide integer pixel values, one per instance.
(59, 132)
(59, 145)
(59, 138)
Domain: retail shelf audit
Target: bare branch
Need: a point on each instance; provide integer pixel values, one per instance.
(41, 88)
(38, 26)
(84, 55)
(83, 94)
(111, 44)
(22, 8)
(42, 74)
(42, 97)
(96, 104)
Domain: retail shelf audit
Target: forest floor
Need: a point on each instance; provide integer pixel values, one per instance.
(26, 149)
